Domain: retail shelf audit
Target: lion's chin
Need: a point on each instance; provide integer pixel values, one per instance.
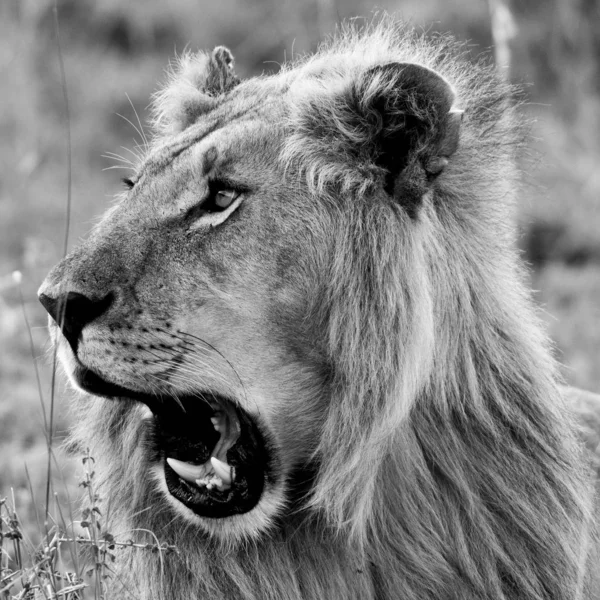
(208, 455)
(236, 528)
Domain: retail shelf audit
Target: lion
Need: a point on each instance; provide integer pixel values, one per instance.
(307, 353)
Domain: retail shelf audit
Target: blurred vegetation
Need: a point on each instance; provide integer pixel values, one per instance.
(116, 50)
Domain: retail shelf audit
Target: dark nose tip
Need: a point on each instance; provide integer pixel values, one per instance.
(72, 311)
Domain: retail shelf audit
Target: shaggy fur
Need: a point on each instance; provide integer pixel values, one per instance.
(445, 464)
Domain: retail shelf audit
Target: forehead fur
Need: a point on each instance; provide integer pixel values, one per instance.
(322, 141)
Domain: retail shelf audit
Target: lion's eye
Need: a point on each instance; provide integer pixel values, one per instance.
(225, 198)
(220, 198)
(219, 203)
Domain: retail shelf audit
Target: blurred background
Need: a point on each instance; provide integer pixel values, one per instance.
(115, 52)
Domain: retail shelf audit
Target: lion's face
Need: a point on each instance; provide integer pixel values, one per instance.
(191, 296)
(206, 293)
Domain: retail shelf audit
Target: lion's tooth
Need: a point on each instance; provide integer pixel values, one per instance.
(221, 485)
(223, 470)
(218, 421)
(186, 471)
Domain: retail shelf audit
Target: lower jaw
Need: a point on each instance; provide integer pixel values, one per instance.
(227, 531)
(209, 505)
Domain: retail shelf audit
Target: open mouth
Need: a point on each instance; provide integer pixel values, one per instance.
(214, 457)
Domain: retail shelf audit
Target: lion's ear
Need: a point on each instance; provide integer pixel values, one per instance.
(221, 76)
(407, 113)
(195, 82)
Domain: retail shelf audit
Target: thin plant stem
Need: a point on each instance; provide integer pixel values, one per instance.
(63, 78)
(18, 278)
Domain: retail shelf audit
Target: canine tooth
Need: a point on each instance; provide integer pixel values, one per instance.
(186, 471)
(223, 470)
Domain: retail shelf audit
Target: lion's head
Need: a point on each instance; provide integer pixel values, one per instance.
(311, 361)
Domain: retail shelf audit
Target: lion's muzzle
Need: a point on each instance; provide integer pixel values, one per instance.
(210, 453)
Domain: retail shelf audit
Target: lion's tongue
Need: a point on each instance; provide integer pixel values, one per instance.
(215, 472)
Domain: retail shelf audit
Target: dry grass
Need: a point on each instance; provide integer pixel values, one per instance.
(73, 559)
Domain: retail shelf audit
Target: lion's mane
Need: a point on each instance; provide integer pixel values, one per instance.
(448, 465)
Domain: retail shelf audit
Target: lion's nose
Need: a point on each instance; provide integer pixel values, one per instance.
(72, 311)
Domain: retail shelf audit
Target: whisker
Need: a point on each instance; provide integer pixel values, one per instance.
(222, 356)
(138, 156)
(115, 156)
(190, 345)
(159, 358)
(118, 167)
(141, 147)
(203, 365)
(193, 370)
(140, 133)
(135, 112)
(167, 391)
(194, 376)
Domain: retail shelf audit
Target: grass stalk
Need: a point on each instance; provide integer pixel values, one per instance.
(63, 78)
